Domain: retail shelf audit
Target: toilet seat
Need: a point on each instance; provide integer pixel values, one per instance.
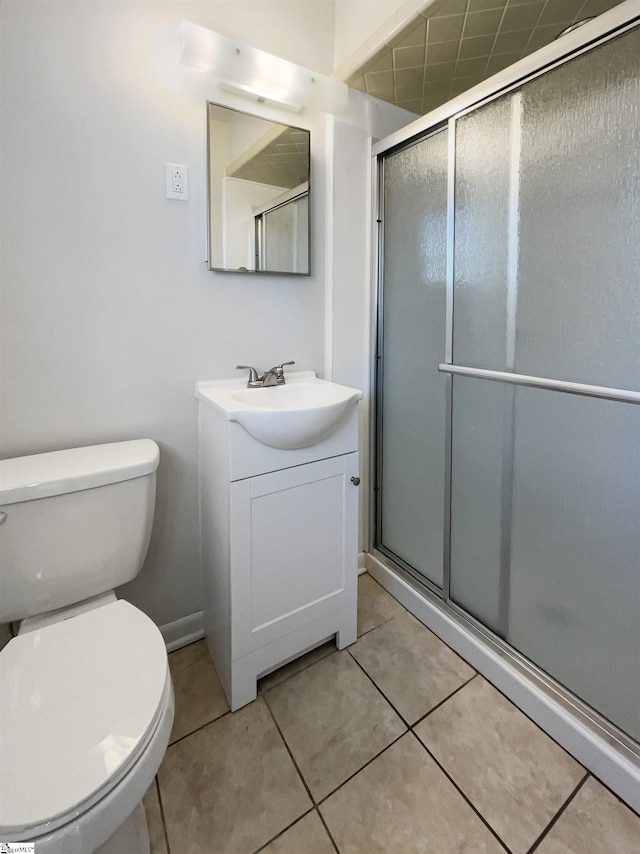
(79, 702)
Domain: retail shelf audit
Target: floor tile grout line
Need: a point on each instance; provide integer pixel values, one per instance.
(611, 792)
(284, 830)
(402, 718)
(378, 626)
(351, 776)
(463, 795)
(198, 728)
(284, 740)
(378, 689)
(355, 773)
(333, 791)
(326, 827)
(312, 809)
(164, 821)
(558, 814)
(529, 718)
(300, 774)
(424, 625)
(442, 702)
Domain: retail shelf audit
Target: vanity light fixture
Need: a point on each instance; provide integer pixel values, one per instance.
(257, 95)
(260, 76)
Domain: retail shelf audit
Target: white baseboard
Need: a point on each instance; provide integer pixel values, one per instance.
(184, 631)
(603, 759)
(361, 561)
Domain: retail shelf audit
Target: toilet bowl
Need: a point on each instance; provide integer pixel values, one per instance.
(86, 699)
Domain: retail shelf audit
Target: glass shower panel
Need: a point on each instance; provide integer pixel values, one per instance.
(279, 238)
(579, 305)
(411, 514)
(485, 227)
(545, 548)
(575, 547)
(481, 499)
(285, 237)
(553, 224)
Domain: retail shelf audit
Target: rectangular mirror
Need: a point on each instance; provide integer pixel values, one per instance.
(258, 183)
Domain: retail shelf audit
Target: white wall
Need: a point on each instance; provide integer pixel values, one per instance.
(349, 334)
(240, 199)
(109, 315)
(356, 20)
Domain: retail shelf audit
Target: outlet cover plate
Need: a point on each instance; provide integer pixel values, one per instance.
(177, 178)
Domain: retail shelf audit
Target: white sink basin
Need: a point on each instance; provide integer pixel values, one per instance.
(298, 395)
(301, 413)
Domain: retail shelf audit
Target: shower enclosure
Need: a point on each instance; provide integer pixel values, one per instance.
(507, 474)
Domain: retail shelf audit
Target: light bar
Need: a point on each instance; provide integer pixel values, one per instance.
(260, 76)
(257, 95)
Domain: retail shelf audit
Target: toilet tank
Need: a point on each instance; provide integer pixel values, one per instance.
(73, 524)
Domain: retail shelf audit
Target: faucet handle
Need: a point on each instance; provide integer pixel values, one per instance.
(279, 372)
(254, 380)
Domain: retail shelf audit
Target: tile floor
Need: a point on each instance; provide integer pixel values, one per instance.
(393, 745)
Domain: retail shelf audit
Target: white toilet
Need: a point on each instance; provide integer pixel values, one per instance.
(86, 699)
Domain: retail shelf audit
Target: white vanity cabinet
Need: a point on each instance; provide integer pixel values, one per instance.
(278, 546)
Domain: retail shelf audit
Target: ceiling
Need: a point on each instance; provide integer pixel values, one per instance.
(279, 158)
(462, 43)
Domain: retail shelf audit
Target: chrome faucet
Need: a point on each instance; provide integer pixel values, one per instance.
(274, 376)
(254, 380)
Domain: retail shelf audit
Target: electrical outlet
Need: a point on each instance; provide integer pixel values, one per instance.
(177, 181)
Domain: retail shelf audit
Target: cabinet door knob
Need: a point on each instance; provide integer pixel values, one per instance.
(355, 481)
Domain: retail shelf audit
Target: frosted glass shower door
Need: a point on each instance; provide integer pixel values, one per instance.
(411, 390)
(545, 485)
(284, 237)
(568, 596)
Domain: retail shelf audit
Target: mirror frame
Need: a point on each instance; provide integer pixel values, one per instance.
(248, 272)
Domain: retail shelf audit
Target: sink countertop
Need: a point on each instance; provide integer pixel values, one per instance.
(219, 394)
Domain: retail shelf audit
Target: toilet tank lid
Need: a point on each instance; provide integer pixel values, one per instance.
(59, 472)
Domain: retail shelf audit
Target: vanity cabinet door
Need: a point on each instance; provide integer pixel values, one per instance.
(293, 549)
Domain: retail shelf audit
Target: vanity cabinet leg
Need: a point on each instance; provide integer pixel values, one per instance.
(244, 684)
(348, 632)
